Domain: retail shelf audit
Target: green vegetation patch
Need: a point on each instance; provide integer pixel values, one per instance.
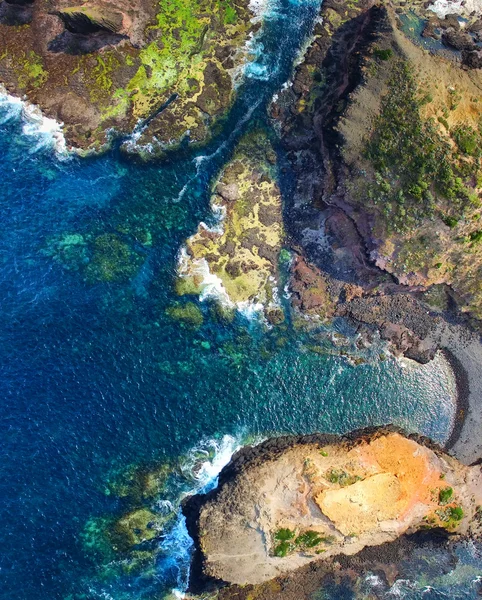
(413, 162)
(284, 534)
(450, 516)
(341, 477)
(282, 549)
(187, 32)
(286, 541)
(309, 539)
(468, 140)
(445, 495)
(30, 70)
(383, 54)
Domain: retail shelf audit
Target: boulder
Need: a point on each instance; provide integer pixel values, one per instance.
(91, 18)
(472, 59)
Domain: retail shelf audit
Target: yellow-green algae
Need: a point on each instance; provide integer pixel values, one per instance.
(243, 253)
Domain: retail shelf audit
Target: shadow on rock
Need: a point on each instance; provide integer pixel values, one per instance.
(15, 13)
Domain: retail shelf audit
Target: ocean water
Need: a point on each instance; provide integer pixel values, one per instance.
(96, 378)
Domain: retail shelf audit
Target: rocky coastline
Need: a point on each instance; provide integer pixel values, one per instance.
(360, 236)
(152, 74)
(229, 507)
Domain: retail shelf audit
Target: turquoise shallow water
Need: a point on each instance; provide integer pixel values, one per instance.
(95, 377)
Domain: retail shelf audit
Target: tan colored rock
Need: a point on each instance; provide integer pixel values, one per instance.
(290, 505)
(362, 506)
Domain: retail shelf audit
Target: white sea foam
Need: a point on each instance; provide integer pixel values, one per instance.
(373, 580)
(401, 588)
(44, 132)
(459, 7)
(258, 8)
(211, 285)
(204, 475)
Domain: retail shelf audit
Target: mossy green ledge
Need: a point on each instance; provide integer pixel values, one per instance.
(116, 70)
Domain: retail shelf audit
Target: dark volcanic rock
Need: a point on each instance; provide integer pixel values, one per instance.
(457, 39)
(90, 18)
(472, 59)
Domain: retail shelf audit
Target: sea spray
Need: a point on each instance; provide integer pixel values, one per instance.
(177, 544)
(44, 132)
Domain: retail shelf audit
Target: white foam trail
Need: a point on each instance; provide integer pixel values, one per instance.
(46, 133)
(204, 474)
(207, 474)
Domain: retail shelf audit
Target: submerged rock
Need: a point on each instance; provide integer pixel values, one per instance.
(188, 314)
(292, 501)
(134, 528)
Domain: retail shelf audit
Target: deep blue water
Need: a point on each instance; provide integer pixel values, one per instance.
(95, 377)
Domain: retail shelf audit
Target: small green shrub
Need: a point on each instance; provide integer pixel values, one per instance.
(467, 139)
(445, 495)
(309, 539)
(444, 122)
(455, 513)
(284, 534)
(450, 221)
(341, 477)
(282, 549)
(383, 54)
(476, 236)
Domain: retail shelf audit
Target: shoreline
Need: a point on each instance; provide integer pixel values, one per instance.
(35, 124)
(252, 457)
(462, 396)
(462, 349)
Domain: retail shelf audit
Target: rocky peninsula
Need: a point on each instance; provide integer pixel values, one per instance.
(290, 502)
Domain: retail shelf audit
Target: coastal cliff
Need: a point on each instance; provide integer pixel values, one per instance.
(163, 70)
(381, 127)
(290, 502)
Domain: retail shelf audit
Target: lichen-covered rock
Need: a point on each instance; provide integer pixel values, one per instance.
(102, 66)
(236, 260)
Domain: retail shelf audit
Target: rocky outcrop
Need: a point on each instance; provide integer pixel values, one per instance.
(90, 18)
(391, 253)
(235, 260)
(294, 501)
(164, 69)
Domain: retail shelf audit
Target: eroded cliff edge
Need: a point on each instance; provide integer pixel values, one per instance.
(295, 501)
(163, 69)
